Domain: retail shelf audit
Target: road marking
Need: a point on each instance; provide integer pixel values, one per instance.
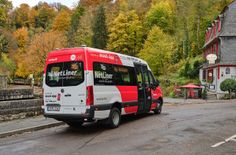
(232, 138)
(218, 144)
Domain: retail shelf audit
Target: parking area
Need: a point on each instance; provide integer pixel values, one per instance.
(207, 128)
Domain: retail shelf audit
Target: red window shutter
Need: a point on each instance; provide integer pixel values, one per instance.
(214, 30)
(218, 72)
(219, 25)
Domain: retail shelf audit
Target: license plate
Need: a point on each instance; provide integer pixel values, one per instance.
(53, 108)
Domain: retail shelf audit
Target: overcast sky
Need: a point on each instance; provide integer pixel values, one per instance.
(69, 3)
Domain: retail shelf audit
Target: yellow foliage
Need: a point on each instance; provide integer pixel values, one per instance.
(62, 21)
(32, 15)
(21, 35)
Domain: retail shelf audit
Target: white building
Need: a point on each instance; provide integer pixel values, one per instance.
(221, 41)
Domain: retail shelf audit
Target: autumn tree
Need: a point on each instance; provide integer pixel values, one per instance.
(22, 16)
(100, 34)
(5, 7)
(7, 42)
(62, 21)
(45, 15)
(92, 3)
(157, 50)
(22, 37)
(141, 7)
(58, 6)
(7, 45)
(126, 34)
(39, 47)
(33, 13)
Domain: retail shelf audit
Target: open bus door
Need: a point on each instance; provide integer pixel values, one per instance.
(144, 90)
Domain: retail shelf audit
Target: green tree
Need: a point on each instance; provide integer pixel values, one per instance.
(74, 25)
(126, 34)
(228, 85)
(162, 15)
(187, 69)
(7, 65)
(100, 34)
(157, 50)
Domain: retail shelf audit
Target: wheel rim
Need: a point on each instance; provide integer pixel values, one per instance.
(115, 118)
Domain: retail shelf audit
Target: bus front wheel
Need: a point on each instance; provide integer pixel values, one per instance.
(158, 109)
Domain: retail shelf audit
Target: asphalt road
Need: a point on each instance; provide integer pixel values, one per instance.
(181, 129)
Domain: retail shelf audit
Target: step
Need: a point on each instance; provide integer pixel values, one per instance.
(16, 94)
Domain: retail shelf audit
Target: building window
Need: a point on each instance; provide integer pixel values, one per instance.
(204, 75)
(227, 70)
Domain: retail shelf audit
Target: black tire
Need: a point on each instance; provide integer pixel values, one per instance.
(114, 118)
(75, 124)
(158, 110)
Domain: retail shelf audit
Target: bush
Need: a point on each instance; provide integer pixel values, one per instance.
(228, 85)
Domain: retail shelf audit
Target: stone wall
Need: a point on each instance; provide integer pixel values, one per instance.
(3, 82)
(13, 94)
(17, 109)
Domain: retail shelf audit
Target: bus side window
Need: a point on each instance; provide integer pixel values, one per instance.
(139, 78)
(124, 76)
(151, 78)
(146, 78)
(103, 74)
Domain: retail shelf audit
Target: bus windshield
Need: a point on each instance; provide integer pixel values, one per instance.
(65, 74)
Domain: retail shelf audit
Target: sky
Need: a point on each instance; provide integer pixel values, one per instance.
(69, 3)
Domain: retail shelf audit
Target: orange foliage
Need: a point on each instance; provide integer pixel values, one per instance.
(40, 46)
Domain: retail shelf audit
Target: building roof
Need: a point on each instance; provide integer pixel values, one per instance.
(228, 23)
(229, 20)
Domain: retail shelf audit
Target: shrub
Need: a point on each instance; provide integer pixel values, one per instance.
(228, 85)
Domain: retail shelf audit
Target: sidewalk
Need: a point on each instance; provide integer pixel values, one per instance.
(26, 125)
(194, 101)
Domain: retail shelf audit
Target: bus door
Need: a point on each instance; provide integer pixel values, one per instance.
(144, 91)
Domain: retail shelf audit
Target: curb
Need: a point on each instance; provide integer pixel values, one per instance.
(34, 128)
(190, 103)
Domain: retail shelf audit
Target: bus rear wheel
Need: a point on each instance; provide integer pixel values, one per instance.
(158, 109)
(114, 118)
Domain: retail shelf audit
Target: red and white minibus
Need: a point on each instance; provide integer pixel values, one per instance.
(87, 84)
